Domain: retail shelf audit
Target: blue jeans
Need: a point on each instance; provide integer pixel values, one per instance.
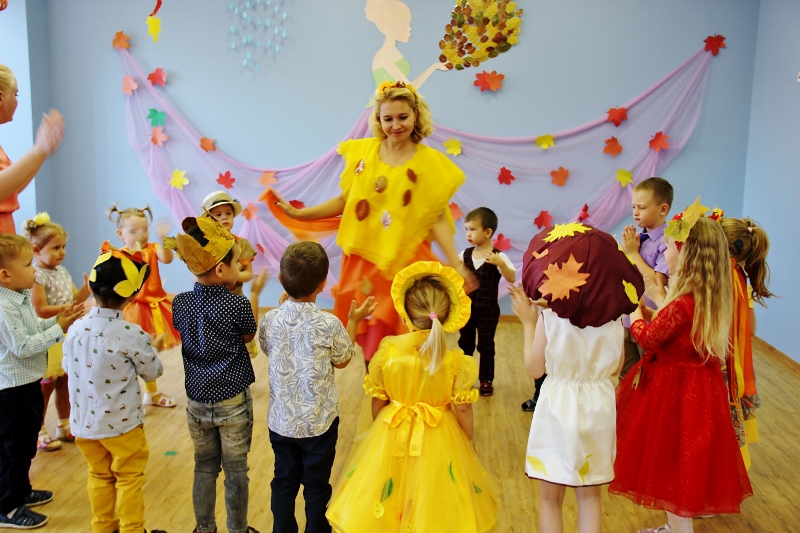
(221, 433)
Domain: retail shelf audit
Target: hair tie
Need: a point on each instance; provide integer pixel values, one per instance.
(432, 316)
(40, 219)
(750, 229)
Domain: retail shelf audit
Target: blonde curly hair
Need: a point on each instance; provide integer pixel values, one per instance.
(424, 123)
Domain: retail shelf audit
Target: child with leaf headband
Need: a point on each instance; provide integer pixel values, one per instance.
(676, 447)
(416, 469)
(104, 354)
(215, 325)
(588, 284)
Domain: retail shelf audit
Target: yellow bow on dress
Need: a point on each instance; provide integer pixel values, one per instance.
(402, 416)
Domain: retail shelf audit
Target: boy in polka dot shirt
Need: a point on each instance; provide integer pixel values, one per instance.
(215, 326)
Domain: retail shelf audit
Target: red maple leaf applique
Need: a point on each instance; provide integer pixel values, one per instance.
(505, 176)
(297, 204)
(584, 214)
(489, 81)
(560, 176)
(617, 115)
(714, 43)
(543, 220)
(613, 148)
(226, 180)
(659, 141)
(158, 77)
(502, 243)
(207, 144)
(456, 211)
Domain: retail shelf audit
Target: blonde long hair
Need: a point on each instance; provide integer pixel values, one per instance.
(704, 272)
(428, 305)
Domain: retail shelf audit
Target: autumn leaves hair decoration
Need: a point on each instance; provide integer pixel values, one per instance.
(385, 86)
(681, 224)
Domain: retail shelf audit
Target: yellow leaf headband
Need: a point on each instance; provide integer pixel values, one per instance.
(202, 258)
(681, 224)
(134, 276)
(385, 86)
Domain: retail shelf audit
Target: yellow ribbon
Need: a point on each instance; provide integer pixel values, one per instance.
(402, 416)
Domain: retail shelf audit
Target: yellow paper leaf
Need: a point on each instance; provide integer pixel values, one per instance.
(566, 230)
(377, 509)
(545, 141)
(154, 27)
(453, 146)
(624, 177)
(630, 291)
(179, 179)
(562, 280)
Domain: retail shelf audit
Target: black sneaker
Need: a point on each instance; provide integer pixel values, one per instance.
(38, 497)
(23, 518)
(529, 405)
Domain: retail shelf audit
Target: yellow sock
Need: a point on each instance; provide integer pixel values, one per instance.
(63, 423)
(151, 387)
(43, 431)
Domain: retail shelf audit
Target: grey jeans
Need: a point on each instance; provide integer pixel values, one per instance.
(221, 433)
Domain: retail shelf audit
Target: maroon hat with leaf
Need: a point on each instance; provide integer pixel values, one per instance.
(582, 273)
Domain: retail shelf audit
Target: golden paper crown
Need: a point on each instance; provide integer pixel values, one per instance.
(200, 259)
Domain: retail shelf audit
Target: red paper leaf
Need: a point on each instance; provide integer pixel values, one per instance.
(489, 81)
(659, 142)
(714, 43)
(584, 214)
(251, 211)
(543, 220)
(560, 176)
(455, 211)
(226, 180)
(207, 144)
(505, 176)
(502, 243)
(297, 204)
(613, 148)
(158, 77)
(617, 115)
(121, 41)
(261, 249)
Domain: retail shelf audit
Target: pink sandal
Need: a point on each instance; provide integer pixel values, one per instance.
(48, 443)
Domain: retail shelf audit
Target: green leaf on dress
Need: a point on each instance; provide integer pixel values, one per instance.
(452, 476)
(387, 489)
(476, 488)
(351, 471)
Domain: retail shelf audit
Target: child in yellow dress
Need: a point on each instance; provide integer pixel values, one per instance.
(152, 307)
(416, 469)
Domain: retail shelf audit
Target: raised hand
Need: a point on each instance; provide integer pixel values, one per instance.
(357, 314)
(288, 208)
(70, 314)
(259, 280)
(50, 134)
(525, 309)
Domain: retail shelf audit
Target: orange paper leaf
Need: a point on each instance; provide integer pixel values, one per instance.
(207, 144)
(158, 137)
(267, 179)
(489, 81)
(538, 255)
(659, 142)
(560, 176)
(562, 280)
(617, 115)
(121, 41)
(505, 176)
(544, 219)
(613, 148)
(455, 211)
(129, 85)
(251, 211)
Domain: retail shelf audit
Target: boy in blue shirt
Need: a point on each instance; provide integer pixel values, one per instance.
(215, 326)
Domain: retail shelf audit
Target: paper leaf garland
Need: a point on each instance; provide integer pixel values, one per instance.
(502, 242)
(129, 85)
(179, 179)
(566, 230)
(560, 176)
(659, 141)
(543, 220)
(562, 280)
(584, 214)
(505, 177)
(453, 146)
(121, 41)
(613, 148)
(207, 144)
(617, 115)
(158, 137)
(489, 81)
(158, 77)
(624, 177)
(156, 117)
(544, 141)
(455, 211)
(226, 180)
(630, 291)
(154, 27)
(714, 43)
(251, 211)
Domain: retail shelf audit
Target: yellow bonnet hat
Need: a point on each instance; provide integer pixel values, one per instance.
(460, 304)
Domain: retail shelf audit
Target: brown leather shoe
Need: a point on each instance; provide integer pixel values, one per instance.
(486, 388)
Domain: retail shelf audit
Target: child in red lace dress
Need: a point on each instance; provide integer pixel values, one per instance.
(152, 307)
(676, 447)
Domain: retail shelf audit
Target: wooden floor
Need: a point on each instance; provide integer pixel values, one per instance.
(501, 435)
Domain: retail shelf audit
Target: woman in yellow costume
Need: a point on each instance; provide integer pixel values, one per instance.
(394, 201)
(417, 471)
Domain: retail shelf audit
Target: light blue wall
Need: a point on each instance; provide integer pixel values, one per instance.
(576, 58)
(772, 185)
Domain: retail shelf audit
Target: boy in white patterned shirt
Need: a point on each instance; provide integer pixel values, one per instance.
(304, 344)
(24, 341)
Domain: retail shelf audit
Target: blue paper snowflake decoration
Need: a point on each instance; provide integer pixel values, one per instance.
(258, 30)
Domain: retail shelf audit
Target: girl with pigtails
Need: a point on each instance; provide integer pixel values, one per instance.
(417, 468)
(152, 307)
